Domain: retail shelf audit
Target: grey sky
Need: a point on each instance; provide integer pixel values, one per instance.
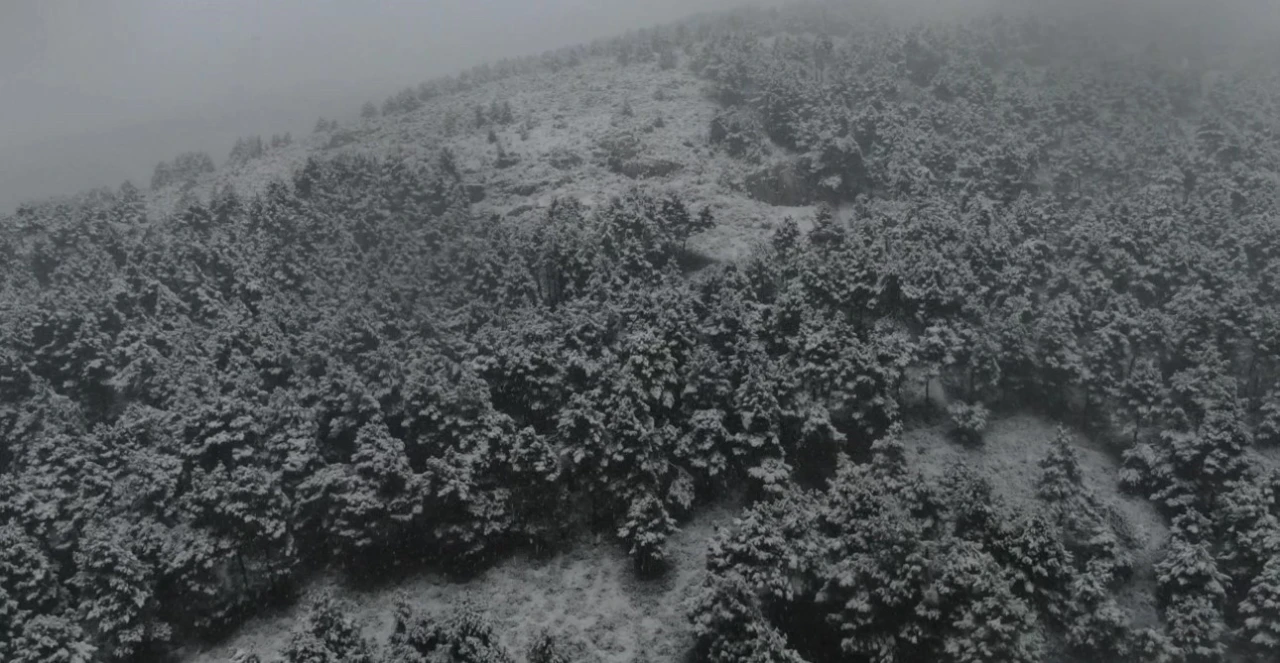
(96, 91)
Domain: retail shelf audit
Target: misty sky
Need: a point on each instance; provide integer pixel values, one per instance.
(96, 91)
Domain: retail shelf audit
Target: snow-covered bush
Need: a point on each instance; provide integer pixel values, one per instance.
(465, 636)
(739, 132)
(968, 421)
(328, 636)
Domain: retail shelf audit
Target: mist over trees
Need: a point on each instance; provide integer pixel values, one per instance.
(184, 169)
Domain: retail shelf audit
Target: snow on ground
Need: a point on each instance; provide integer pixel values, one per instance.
(572, 113)
(1009, 458)
(577, 112)
(588, 598)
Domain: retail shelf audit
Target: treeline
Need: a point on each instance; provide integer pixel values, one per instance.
(253, 147)
(185, 169)
(660, 45)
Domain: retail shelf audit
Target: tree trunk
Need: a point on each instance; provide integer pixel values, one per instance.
(244, 573)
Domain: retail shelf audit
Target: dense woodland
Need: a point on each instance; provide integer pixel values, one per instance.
(354, 371)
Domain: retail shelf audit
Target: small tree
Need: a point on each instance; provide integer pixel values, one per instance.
(1268, 430)
(647, 526)
(505, 115)
(1061, 467)
(1261, 610)
(968, 421)
(369, 110)
(161, 176)
(545, 650)
(1191, 590)
(246, 149)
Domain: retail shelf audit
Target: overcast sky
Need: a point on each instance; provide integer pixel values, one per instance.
(96, 91)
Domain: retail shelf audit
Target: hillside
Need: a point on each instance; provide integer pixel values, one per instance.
(808, 334)
(565, 124)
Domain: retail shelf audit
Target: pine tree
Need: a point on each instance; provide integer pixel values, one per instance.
(1268, 430)
(1191, 592)
(1261, 609)
(115, 591)
(1061, 480)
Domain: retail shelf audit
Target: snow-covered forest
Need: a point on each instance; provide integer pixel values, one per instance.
(970, 326)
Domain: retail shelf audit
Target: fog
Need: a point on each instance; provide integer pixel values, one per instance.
(93, 92)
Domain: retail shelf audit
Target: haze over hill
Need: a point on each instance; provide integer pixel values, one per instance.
(97, 92)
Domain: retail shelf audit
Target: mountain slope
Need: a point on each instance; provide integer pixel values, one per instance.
(564, 126)
(994, 379)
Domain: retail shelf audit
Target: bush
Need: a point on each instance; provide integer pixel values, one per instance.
(739, 133)
(968, 421)
(618, 149)
(328, 636)
(545, 650)
(341, 137)
(782, 184)
(563, 158)
(505, 158)
(465, 637)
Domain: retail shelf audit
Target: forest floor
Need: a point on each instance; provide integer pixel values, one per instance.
(589, 597)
